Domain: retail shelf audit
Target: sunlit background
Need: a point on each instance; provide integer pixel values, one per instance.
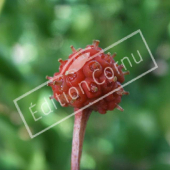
(34, 34)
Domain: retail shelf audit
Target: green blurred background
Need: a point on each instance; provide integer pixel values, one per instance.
(34, 34)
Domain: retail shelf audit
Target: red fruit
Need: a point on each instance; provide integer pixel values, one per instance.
(88, 75)
(85, 79)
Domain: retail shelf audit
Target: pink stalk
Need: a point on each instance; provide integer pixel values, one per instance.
(80, 122)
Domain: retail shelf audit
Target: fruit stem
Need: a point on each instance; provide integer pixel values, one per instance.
(80, 122)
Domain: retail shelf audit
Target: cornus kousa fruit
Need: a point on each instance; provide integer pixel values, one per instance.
(91, 80)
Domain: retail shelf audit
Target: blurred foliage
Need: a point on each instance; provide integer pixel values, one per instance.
(34, 34)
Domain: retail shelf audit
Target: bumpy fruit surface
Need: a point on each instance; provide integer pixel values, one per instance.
(89, 74)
